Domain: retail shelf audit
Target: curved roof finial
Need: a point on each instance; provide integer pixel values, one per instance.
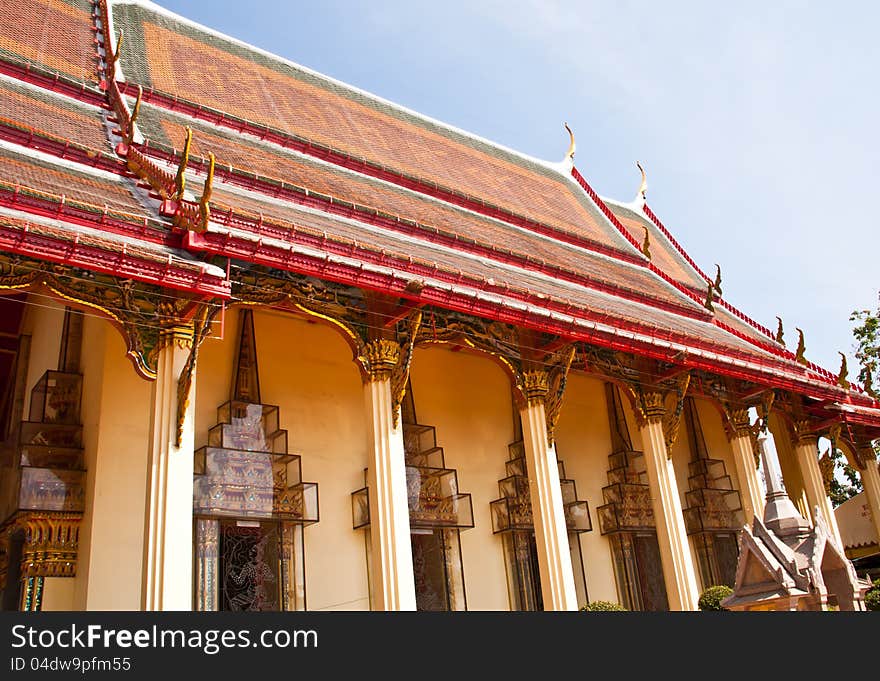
(779, 332)
(717, 283)
(842, 374)
(801, 348)
(643, 187)
(569, 155)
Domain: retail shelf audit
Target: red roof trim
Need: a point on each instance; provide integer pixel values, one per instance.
(47, 205)
(32, 138)
(118, 263)
(771, 347)
(255, 250)
(52, 81)
(357, 276)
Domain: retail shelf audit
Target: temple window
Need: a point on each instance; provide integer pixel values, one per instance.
(512, 519)
(437, 514)
(627, 518)
(250, 504)
(713, 510)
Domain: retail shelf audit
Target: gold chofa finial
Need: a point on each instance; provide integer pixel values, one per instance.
(710, 297)
(801, 347)
(180, 180)
(646, 244)
(779, 332)
(129, 138)
(204, 208)
(118, 46)
(569, 155)
(717, 283)
(643, 187)
(841, 376)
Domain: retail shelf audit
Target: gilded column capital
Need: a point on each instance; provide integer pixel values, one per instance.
(737, 422)
(650, 407)
(379, 359)
(179, 335)
(802, 433)
(535, 386)
(51, 544)
(864, 455)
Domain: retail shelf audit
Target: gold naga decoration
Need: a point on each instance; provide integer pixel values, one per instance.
(646, 244)
(717, 282)
(180, 179)
(801, 348)
(204, 208)
(643, 187)
(779, 332)
(710, 297)
(842, 374)
(129, 137)
(569, 155)
(826, 466)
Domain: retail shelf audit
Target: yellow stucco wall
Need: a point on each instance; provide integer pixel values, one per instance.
(583, 443)
(58, 594)
(116, 423)
(307, 370)
(467, 398)
(43, 321)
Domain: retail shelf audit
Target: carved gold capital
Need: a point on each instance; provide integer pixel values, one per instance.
(736, 422)
(535, 386)
(379, 358)
(179, 335)
(863, 456)
(51, 544)
(650, 408)
(802, 433)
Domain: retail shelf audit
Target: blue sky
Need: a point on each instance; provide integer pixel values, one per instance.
(756, 123)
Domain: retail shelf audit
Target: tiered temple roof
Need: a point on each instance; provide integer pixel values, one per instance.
(316, 177)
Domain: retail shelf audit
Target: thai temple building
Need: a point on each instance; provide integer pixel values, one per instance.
(270, 342)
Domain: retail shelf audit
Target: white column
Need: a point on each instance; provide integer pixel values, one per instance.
(551, 534)
(871, 483)
(806, 450)
(678, 568)
(393, 584)
(168, 547)
(747, 474)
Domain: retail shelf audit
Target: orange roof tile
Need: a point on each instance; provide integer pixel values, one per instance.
(55, 34)
(178, 58)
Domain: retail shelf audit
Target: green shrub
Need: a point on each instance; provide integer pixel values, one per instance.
(711, 598)
(872, 597)
(603, 606)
